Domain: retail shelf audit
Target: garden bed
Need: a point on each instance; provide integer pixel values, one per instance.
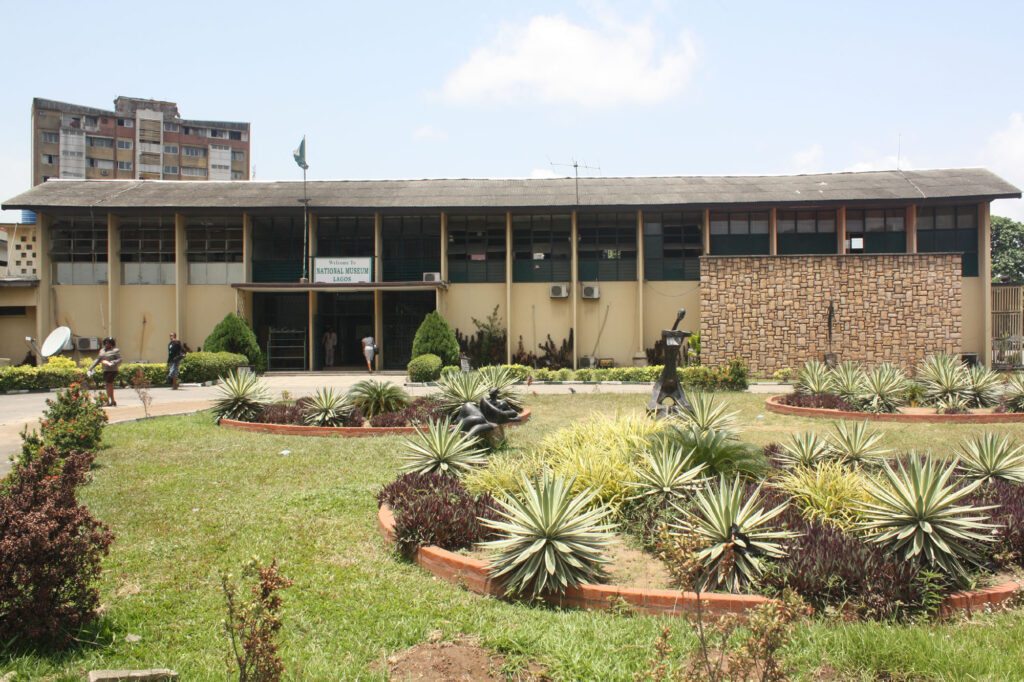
(923, 416)
(338, 431)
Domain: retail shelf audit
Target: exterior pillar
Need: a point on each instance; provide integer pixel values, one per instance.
(985, 277)
(841, 230)
(378, 248)
(180, 273)
(639, 354)
(911, 224)
(508, 287)
(705, 232)
(378, 328)
(113, 273)
(312, 301)
(247, 245)
(44, 293)
(574, 287)
(378, 295)
(773, 232)
(440, 302)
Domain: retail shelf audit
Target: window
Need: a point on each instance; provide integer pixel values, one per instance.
(221, 147)
(950, 229)
(125, 143)
(217, 133)
(344, 236)
(739, 234)
(105, 164)
(219, 166)
(170, 149)
(412, 246)
(170, 170)
(541, 248)
(125, 165)
(72, 154)
(673, 245)
(213, 249)
(91, 121)
(878, 230)
(238, 156)
(50, 159)
(78, 251)
(147, 250)
(476, 248)
(194, 151)
(51, 137)
(806, 232)
(237, 175)
(171, 127)
(195, 132)
(277, 249)
(126, 122)
(12, 311)
(234, 135)
(607, 246)
(192, 172)
(105, 142)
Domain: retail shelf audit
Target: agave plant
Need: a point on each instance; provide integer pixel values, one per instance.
(853, 443)
(942, 375)
(916, 514)
(952, 404)
(707, 412)
(457, 388)
(827, 492)
(989, 455)
(1014, 392)
(377, 397)
(667, 473)
(984, 387)
(549, 539)
(502, 378)
(326, 408)
(848, 381)
(803, 449)
(885, 389)
(719, 451)
(814, 378)
(442, 449)
(736, 531)
(242, 397)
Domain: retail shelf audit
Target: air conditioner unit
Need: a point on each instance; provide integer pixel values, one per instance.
(588, 361)
(591, 291)
(559, 291)
(431, 276)
(87, 343)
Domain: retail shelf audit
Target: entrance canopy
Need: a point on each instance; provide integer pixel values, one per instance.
(336, 287)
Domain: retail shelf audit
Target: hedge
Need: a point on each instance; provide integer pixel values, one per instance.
(729, 377)
(426, 367)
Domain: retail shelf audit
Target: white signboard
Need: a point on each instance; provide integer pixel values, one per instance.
(342, 270)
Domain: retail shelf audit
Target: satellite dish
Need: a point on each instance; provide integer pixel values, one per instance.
(55, 342)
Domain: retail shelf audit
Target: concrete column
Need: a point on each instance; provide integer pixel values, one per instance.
(841, 230)
(378, 295)
(508, 287)
(180, 273)
(639, 354)
(773, 232)
(574, 287)
(312, 302)
(911, 225)
(440, 302)
(706, 232)
(985, 277)
(44, 294)
(113, 273)
(247, 245)
(378, 248)
(378, 327)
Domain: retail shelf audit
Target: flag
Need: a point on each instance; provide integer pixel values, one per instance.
(300, 154)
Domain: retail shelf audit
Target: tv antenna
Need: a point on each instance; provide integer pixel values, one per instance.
(576, 165)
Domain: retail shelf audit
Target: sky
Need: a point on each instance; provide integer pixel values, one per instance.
(502, 89)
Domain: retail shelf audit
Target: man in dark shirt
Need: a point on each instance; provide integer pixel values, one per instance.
(175, 354)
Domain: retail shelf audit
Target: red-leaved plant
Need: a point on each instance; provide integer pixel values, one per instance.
(253, 625)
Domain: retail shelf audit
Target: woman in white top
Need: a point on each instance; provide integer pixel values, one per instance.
(368, 351)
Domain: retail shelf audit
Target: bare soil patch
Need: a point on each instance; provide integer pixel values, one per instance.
(463, 660)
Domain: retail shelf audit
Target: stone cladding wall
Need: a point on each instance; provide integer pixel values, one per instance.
(771, 311)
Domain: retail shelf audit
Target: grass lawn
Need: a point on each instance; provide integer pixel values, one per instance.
(187, 500)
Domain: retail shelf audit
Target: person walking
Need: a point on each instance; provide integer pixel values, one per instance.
(368, 352)
(330, 341)
(110, 360)
(176, 351)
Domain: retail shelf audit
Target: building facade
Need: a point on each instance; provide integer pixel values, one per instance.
(902, 258)
(139, 139)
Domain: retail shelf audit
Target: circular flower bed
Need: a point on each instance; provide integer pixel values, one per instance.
(779, 404)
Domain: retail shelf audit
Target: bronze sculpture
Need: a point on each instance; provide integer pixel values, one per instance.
(483, 418)
(667, 387)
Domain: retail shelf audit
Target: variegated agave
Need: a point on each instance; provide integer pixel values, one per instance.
(667, 472)
(814, 378)
(242, 397)
(326, 407)
(442, 449)
(707, 412)
(942, 376)
(885, 389)
(803, 449)
(502, 378)
(848, 382)
(548, 538)
(853, 443)
(457, 388)
(736, 531)
(989, 455)
(984, 387)
(1014, 392)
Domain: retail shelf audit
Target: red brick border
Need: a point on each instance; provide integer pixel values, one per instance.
(472, 574)
(337, 431)
(772, 404)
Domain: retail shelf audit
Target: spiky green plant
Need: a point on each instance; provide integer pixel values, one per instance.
(549, 539)
(707, 412)
(457, 388)
(719, 451)
(942, 375)
(984, 387)
(951, 404)
(852, 443)
(502, 378)
(814, 378)
(1014, 392)
(667, 473)
(377, 397)
(848, 382)
(442, 449)
(827, 492)
(885, 389)
(736, 531)
(803, 449)
(326, 407)
(915, 513)
(242, 397)
(989, 455)
(503, 471)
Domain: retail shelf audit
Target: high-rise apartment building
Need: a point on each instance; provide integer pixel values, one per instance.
(141, 138)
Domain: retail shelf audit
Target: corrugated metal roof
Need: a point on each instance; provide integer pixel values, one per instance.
(970, 183)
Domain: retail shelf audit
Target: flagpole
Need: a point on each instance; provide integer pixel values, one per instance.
(305, 229)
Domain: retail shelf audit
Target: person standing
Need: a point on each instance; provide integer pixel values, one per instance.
(368, 352)
(110, 360)
(330, 341)
(176, 351)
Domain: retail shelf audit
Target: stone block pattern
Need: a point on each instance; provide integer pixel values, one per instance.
(771, 311)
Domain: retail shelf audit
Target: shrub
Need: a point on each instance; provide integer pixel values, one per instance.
(204, 366)
(422, 410)
(435, 336)
(503, 472)
(706, 413)
(814, 378)
(234, 335)
(521, 372)
(784, 374)
(242, 397)
(885, 389)
(942, 376)
(73, 421)
(826, 492)
(407, 487)
(1013, 401)
(443, 449)
(57, 376)
(281, 413)
(502, 378)
(51, 551)
(457, 388)
(389, 420)
(426, 367)
(253, 626)
(822, 401)
(848, 382)
(852, 443)
(154, 373)
(584, 374)
(989, 456)
(718, 450)
(805, 449)
(1008, 515)
(325, 408)
(377, 397)
(667, 473)
(984, 387)
(488, 345)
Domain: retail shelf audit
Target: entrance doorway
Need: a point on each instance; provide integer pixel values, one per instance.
(351, 316)
(403, 313)
(280, 321)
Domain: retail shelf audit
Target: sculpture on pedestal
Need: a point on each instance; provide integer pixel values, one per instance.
(667, 387)
(491, 413)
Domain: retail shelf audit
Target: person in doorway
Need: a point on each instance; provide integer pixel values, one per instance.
(330, 340)
(110, 360)
(368, 352)
(176, 351)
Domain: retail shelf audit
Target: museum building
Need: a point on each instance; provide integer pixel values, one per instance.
(900, 258)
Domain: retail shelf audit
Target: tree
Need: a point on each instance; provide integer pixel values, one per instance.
(1007, 250)
(234, 335)
(435, 336)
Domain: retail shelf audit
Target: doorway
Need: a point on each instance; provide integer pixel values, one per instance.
(351, 317)
(403, 313)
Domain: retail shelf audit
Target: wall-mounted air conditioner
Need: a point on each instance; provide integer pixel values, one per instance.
(87, 343)
(559, 291)
(431, 276)
(591, 291)
(588, 361)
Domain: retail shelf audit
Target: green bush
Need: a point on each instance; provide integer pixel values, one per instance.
(435, 336)
(56, 377)
(543, 374)
(426, 367)
(155, 372)
(521, 371)
(204, 366)
(584, 374)
(234, 335)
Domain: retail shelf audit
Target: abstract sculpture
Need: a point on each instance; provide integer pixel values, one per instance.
(667, 386)
(490, 414)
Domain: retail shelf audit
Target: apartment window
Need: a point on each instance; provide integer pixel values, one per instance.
(72, 154)
(50, 159)
(12, 311)
(170, 170)
(78, 251)
(217, 133)
(214, 250)
(876, 230)
(541, 248)
(91, 121)
(51, 137)
(237, 175)
(171, 127)
(344, 236)
(106, 164)
(105, 142)
(607, 247)
(219, 166)
(196, 132)
(125, 165)
(673, 245)
(277, 249)
(234, 135)
(126, 122)
(221, 147)
(193, 172)
(412, 246)
(194, 151)
(124, 143)
(950, 229)
(476, 248)
(147, 251)
(739, 233)
(806, 232)
(238, 156)
(170, 149)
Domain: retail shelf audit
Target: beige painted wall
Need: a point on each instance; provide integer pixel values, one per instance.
(14, 328)
(616, 312)
(973, 337)
(81, 307)
(205, 306)
(466, 301)
(145, 318)
(662, 301)
(535, 315)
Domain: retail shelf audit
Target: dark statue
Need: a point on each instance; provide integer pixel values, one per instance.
(667, 386)
(830, 317)
(490, 414)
